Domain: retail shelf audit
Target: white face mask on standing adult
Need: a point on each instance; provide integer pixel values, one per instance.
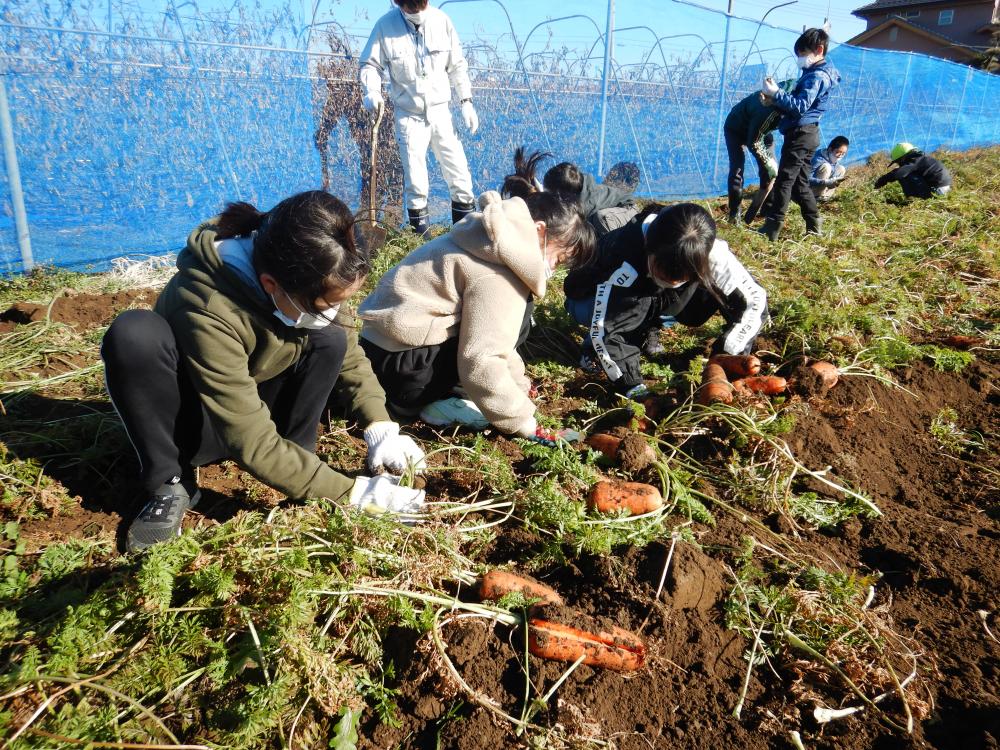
(417, 19)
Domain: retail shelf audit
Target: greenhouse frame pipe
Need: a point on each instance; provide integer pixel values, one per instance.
(14, 179)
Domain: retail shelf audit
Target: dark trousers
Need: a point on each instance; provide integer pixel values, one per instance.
(163, 414)
(737, 165)
(915, 186)
(416, 377)
(792, 182)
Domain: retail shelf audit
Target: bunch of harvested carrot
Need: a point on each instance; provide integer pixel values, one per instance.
(736, 365)
(635, 497)
(618, 649)
(715, 386)
(496, 584)
(769, 385)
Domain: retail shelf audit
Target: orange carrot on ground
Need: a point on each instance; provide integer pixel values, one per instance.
(736, 365)
(635, 497)
(770, 385)
(714, 386)
(964, 342)
(618, 649)
(497, 583)
(827, 371)
(605, 443)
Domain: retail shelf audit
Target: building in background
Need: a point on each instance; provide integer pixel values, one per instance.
(959, 30)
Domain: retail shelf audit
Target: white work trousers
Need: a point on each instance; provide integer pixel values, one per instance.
(414, 133)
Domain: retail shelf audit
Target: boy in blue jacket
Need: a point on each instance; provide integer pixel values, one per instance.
(801, 112)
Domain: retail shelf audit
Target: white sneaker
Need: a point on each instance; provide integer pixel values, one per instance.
(454, 411)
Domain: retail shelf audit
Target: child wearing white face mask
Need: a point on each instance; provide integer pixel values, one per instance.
(801, 111)
(238, 360)
(666, 263)
(453, 312)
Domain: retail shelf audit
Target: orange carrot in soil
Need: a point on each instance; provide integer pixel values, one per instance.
(827, 371)
(769, 385)
(497, 583)
(714, 386)
(619, 649)
(736, 365)
(635, 497)
(605, 443)
(964, 342)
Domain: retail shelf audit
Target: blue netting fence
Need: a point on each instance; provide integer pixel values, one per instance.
(131, 125)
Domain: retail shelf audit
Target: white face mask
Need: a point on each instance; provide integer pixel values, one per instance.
(659, 282)
(416, 18)
(806, 61)
(546, 266)
(308, 321)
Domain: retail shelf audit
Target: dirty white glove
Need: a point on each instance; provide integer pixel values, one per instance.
(377, 495)
(391, 451)
(372, 101)
(772, 167)
(470, 117)
(769, 87)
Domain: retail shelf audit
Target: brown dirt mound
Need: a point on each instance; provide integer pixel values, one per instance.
(77, 309)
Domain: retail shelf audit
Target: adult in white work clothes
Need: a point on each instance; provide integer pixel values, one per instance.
(417, 50)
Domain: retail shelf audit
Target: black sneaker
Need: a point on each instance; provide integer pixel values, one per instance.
(652, 346)
(161, 519)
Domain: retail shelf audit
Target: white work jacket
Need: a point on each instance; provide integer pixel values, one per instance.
(421, 64)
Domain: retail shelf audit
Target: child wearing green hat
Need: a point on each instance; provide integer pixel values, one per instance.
(919, 175)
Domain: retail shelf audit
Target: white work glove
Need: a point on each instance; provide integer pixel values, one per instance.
(769, 88)
(377, 495)
(772, 167)
(372, 101)
(391, 451)
(470, 117)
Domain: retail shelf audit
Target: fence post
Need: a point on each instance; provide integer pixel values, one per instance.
(958, 111)
(719, 121)
(14, 179)
(857, 95)
(609, 39)
(902, 96)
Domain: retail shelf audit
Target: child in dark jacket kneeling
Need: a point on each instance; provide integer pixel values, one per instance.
(665, 266)
(802, 110)
(919, 175)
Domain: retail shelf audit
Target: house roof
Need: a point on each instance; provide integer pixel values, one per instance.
(888, 4)
(902, 23)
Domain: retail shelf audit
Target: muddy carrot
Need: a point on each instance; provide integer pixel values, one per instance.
(497, 583)
(605, 443)
(964, 342)
(827, 371)
(770, 385)
(736, 365)
(618, 649)
(635, 497)
(714, 386)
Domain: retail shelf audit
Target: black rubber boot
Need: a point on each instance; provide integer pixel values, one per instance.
(419, 220)
(734, 207)
(814, 226)
(770, 229)
(460, 210)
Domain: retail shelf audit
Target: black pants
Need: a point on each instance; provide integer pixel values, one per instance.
(792, 182)
(163, 413)
(416, 377)
(915, 186)
(737, 164)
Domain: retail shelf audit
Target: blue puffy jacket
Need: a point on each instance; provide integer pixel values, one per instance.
(808, 100)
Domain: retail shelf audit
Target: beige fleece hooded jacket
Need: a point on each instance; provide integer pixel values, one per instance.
(473, 283)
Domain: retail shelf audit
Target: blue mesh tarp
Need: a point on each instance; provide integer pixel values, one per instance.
(128, 135)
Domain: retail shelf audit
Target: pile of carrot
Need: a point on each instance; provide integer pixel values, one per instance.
(615, 649)
(716, 386)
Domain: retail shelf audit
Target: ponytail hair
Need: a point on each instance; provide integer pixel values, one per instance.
(523, 182)
(679, 240)
(306, 243)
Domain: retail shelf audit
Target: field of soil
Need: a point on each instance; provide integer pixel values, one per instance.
(933, 551)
